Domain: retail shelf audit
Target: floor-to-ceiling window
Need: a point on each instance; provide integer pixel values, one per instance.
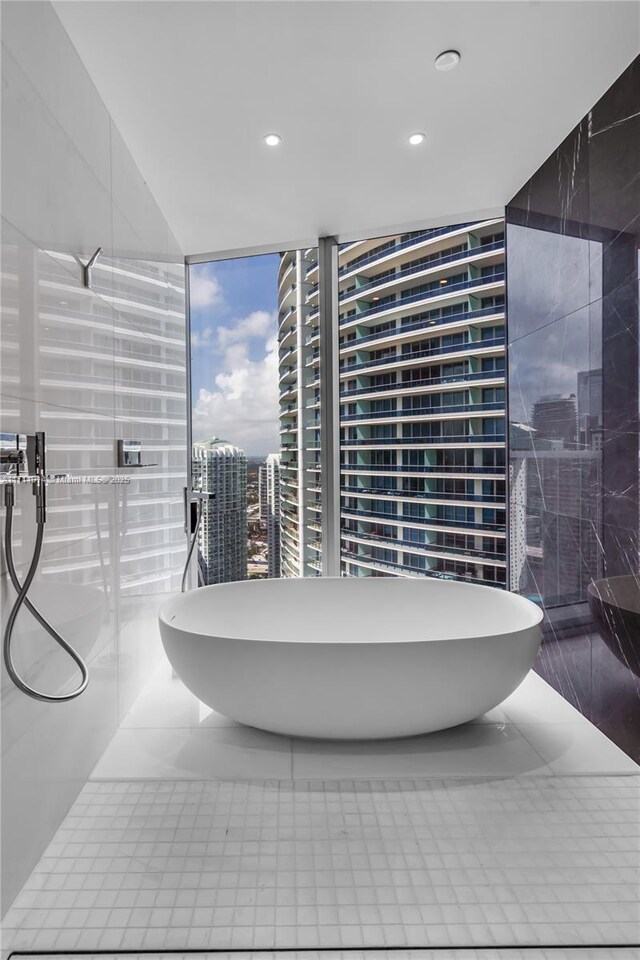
(416, 397)
(255, 416)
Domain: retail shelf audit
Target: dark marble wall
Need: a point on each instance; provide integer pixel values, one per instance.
(573, 238)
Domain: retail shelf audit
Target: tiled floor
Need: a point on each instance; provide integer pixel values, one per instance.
(169, 735)
(221, 864)
(195, 833)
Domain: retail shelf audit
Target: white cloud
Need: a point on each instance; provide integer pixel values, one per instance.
(260, 323)
(204, 288)
(242, 407)
(202, 338)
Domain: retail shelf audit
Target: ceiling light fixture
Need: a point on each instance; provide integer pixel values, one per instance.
(447, 60)
(442, 282)
(416, 138)
(272, 139)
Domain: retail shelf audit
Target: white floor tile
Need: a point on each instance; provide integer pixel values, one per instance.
(174, 865)
(577, 748)
(195, 754)
(472, 750)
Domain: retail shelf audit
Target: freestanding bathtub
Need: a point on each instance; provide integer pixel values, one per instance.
(351, 658)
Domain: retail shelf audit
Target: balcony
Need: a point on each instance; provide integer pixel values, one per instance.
(430, 549)
(422, 413)
(403, 570)
(472, 347)
(462, 439)
(312, 360)
(286, 373)
(310, 269)
(400, 275)
(428, 496)
(406, 386)
(284, 315)
(410, 468)
(404, 331)
(434, 294)
(400, 245)
(496, 529)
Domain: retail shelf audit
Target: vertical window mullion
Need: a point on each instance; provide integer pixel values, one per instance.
(329, 404)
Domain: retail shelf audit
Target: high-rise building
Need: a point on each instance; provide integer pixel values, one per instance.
(219, 467)
(421, 405)
(555, 418)
(590, 408)
(269, 484)
(263, 507)
(299, 379)
(556, 473)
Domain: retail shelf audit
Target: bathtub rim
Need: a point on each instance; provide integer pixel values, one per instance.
(604, 591)
(181, 598)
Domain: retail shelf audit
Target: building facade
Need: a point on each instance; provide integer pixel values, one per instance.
(422, 403)
(219, 467)
(299, 386)
(263, 509)
(269, 491)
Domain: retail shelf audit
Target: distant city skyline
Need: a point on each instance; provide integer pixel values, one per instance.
(234, 352)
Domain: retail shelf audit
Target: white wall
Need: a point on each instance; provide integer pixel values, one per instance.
(88, 368)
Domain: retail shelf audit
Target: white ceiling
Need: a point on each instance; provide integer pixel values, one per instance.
(194, 86)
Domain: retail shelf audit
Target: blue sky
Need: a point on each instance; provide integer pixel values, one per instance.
(234, 352)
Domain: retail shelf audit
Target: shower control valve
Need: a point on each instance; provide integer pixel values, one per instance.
(12, 451)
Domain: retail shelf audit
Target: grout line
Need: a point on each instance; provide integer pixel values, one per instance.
(413, 778)
(270, 951)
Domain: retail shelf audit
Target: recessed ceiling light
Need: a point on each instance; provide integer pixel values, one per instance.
(272, 139)
(442, 282)
(416, 138)
(447, 60)
(375, 298)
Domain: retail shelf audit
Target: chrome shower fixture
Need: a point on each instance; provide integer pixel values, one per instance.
(16, 452)
(13, 452)
(194, 501)
(87, 268)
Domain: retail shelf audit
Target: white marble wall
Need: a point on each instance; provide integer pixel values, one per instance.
(87, 367)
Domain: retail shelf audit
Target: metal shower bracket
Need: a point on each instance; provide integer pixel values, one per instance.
(88, 267)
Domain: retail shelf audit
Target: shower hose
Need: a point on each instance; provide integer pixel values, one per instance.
(22, 591)
(194, 537)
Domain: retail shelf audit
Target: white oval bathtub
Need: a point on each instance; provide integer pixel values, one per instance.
(351, 658)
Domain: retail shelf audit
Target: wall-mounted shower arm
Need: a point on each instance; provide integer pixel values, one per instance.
(88, 267)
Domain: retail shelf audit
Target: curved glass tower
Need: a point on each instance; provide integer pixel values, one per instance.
(422, 348)
(299, 385)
